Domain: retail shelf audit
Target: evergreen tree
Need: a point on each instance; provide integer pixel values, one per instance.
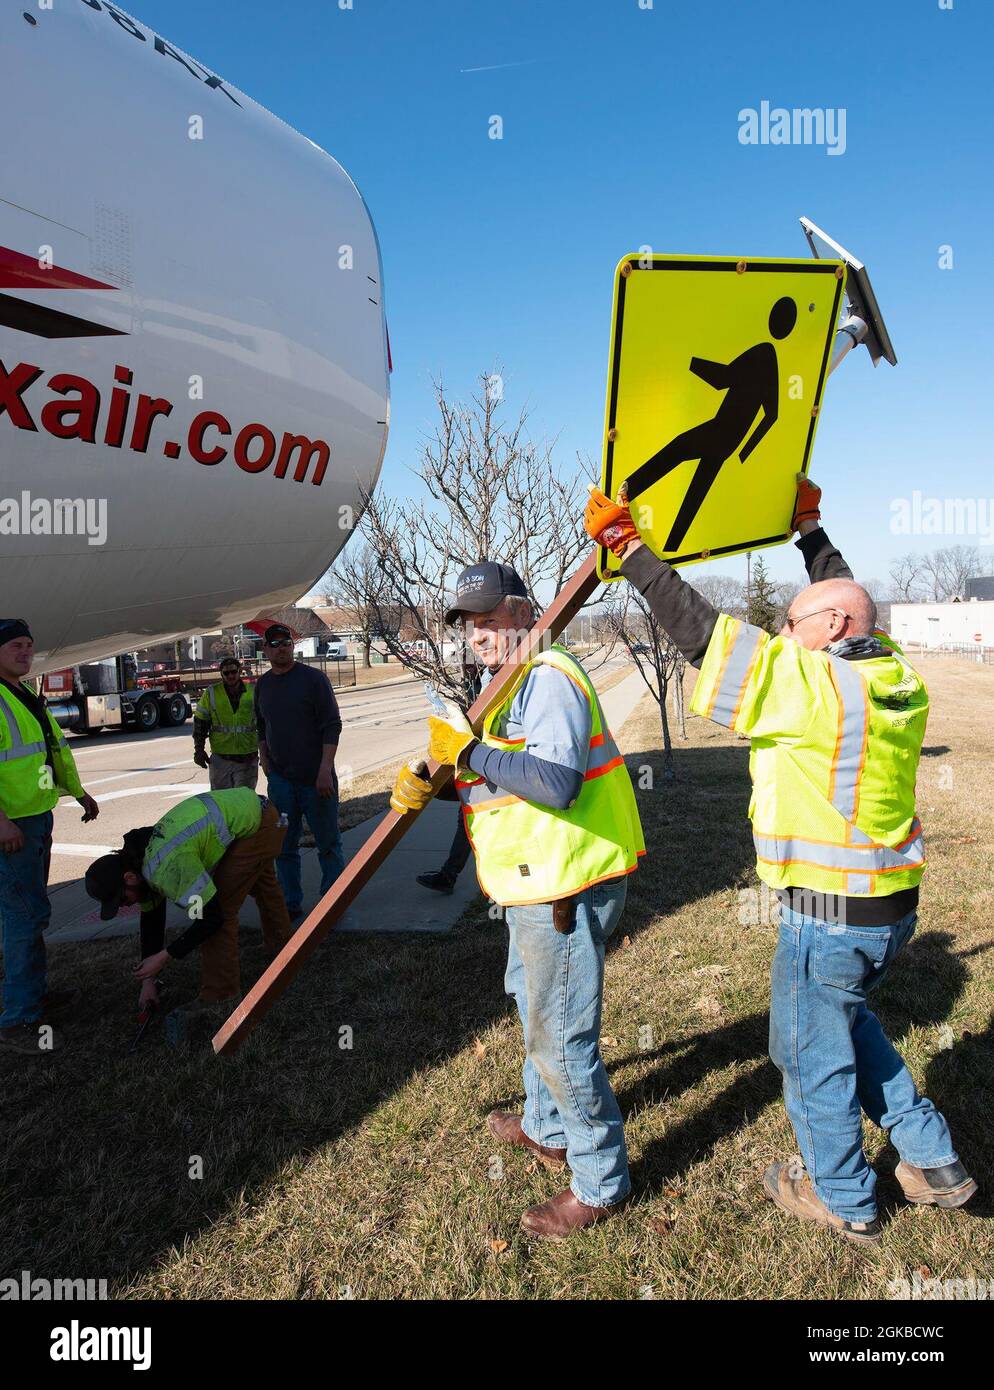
(763, 606)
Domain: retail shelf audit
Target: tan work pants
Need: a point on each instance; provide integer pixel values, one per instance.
(247, 869)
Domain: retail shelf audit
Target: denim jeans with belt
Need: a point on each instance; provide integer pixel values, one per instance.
(836, 1059)
(298, 803)
(25, 911)
(557, 980)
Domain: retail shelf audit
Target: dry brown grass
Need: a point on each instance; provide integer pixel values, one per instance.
(367, 1168)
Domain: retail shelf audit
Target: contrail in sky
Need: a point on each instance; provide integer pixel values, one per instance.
(494, 66)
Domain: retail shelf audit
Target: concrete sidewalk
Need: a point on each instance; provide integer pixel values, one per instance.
(390, 902)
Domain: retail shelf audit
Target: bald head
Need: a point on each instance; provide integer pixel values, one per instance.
(831, 609)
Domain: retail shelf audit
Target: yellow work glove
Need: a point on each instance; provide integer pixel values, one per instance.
(449, 738)
(412, 791)
(609, 523)
(807, 506)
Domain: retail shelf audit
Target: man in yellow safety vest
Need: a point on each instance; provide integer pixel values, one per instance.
(207, 854)
(550, 812)
(225, 714)
(836, 717)
(36, 769)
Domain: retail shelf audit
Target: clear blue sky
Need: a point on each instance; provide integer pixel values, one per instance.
(621, 128)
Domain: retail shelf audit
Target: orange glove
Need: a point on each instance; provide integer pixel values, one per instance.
(609, 523)
(806, 508)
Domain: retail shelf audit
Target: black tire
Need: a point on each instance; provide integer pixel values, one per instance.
(147, 714)
(173, 710)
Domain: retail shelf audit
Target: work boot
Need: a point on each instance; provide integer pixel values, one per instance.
(558, 1218)
(36, 1039)
(508, 1129)
(797, 1196)
(440, 881)
(60, 1001)
(948, 1186)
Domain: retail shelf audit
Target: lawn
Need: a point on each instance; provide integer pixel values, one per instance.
(342, 1151)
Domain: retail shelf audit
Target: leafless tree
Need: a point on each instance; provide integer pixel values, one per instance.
(933, 576)
(489, 492)
(353, 583)
(948, 570)
(660, 662)
(722, 591)
(907, 583)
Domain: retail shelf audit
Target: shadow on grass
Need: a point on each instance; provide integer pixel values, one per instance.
(697, 835)
(100, 1145)
(921, 990)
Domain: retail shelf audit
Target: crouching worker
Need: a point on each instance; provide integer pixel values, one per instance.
(551, 815)
(207, 855)
(835, 715)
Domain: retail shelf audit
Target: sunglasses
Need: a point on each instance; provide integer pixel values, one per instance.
(792, 622)
(280, 642)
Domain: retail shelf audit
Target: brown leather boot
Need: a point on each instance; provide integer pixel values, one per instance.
(949, 1186)
(797, 1196)
(507, 1128)
(558, 1218)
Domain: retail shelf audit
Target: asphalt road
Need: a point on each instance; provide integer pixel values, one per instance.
(137, 777)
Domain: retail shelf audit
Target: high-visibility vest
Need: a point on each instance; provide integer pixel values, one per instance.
(527, 853)
(834, 756)
(231, 730)
(190, 840)
(27, 786)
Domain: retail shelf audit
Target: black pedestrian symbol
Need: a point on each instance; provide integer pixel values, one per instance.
(752, 383)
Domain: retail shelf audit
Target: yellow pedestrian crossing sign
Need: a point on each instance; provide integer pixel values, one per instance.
(716, 376)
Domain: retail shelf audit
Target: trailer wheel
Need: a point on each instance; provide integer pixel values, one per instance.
(173, 710)
(147, 714)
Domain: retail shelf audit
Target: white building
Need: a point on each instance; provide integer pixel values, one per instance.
(969, 622)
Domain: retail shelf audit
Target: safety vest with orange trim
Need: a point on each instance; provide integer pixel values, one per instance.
(833, 761)
(528, 853)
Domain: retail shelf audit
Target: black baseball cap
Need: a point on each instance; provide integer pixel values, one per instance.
(12, 628)
(276, 630)
(105, 881)
(481, 587)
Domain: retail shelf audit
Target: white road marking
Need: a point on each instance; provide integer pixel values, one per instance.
(171, 788)
(139, 771)
(87, 851)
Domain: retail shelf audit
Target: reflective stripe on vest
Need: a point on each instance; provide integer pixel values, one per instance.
(850, 743)
(226, 728)
(213, 817)
(865, 858)
(603, 757)
(855, 732)
(736, 669)
(18, 748)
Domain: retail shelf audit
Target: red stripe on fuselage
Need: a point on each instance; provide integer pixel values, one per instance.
(20, 272)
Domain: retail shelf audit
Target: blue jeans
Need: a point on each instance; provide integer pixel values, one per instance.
(297, 803)
(25, 910)
(557, 980)
(837, 1061)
